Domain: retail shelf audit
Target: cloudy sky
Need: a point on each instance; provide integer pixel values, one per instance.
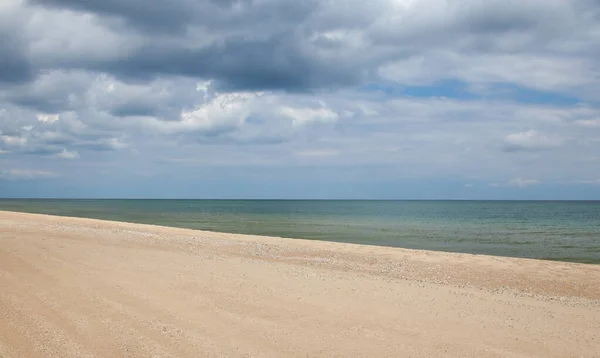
(419, 99)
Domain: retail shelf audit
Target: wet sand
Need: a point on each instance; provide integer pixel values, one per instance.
(88, 288)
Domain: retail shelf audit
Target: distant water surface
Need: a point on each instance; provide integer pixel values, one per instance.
(559, 230)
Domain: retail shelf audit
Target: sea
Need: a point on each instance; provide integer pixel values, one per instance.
(552, 230)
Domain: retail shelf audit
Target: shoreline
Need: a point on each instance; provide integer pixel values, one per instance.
(179, 292)
(577, 260)
(390, 252)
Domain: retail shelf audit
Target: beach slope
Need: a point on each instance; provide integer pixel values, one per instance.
(74, 287)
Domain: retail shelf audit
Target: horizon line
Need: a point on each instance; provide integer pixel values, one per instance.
(281, 199)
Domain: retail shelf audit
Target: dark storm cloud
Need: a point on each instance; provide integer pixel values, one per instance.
(133, 110)
(47, 103)
(14, 64)
(260, 45)
(284, 45)
(495, 16)
(42, 150)
(50, 92)
(149, 15)
(277, 63)
(175, 16)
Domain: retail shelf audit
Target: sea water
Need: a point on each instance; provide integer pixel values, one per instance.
(556, 230)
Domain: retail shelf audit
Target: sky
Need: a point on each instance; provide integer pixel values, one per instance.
(327, 99)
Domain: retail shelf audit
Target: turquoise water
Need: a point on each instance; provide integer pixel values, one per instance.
(562, 230)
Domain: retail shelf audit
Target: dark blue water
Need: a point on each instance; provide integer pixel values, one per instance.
(561, 230)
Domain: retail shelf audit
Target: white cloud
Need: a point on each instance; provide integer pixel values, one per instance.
(530, 140)
(25, 174)
(13, 141)
(115, 143)
(223, 110)
(65, 154)
(205, 88)
(517, 182)
(588, 122)
(48, 118)
(522, 183)
(318, 153)
(412, 137)
(221, 113)
(539, 72)
(304, 116)
(587, 181)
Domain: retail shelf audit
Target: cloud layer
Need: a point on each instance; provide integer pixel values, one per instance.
(472, 91)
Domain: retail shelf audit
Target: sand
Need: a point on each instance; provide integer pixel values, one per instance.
(87, 288)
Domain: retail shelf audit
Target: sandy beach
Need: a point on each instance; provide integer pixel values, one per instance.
(74, 287)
